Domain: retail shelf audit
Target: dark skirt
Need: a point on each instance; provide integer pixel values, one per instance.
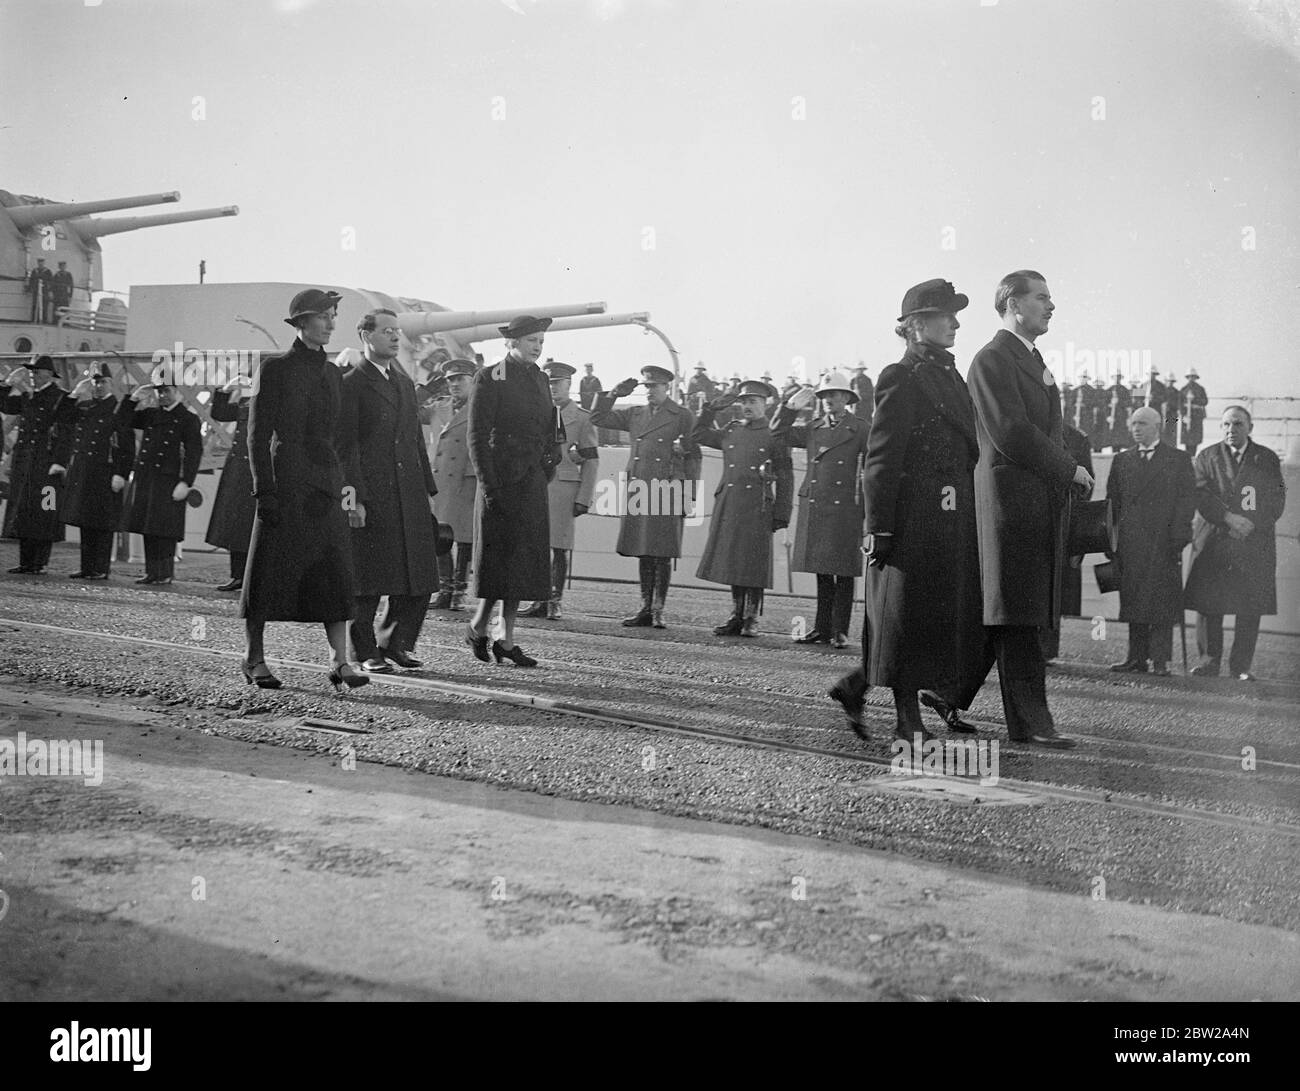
(300, 569)
(512, 544)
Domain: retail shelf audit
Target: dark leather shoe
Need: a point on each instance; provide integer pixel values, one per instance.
(641, 619)
(852, 704)
(479, 644)
(235, 583)
(537, 610)
(21, 570)
(162, 581)
(1055, 742)
(1160, 670)
(97, 576)
(1245, 676)
(79, 575)
(1206, 670)
(377, 665)
(441, 601)
(749, 627)
(947, 713)
(515, 654)
(1131, 666)
(817, 636)
(146, 579)
(839, 640)
(402, 659)
(730, 627)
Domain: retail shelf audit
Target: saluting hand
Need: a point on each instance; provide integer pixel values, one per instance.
(625, 388)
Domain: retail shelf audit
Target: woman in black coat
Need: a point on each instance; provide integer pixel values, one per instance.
(300, 554)
(513, 447)
(923, 582)
(231, 524)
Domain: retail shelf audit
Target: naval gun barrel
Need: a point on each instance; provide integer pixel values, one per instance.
(560, 325)
(89, 228)
(28, 216)
(414, 323)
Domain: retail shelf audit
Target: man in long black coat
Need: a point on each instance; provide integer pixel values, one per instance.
(1240, 495)
(1152, 492)
(33, 513)
(230, 526)
(100, 451)
(394, 537)
(1021, 485)
(165, 467)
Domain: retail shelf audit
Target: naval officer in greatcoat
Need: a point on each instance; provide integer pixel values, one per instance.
(165, 468)
(751, 503)
(569, 494)
(101, 450)
(828, 531)
(663, 468)
(36, 477)
(453, 473)
(231, 524)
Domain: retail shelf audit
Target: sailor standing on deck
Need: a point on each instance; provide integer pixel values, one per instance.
(569, 494)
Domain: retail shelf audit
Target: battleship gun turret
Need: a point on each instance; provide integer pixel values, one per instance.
(92, 228)
(26, 213)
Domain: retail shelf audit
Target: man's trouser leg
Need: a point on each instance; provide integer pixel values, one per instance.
(1244, 638)
(362, 628)
(1209, 637)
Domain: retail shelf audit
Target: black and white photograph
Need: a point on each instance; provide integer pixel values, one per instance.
(651, 500)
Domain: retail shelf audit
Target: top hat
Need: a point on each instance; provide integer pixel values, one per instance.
(556, 370)
(933, 296)
(458, 366)
(42, 363)
(752, 388)
(837, 382)
(524, 324)
(1092, 528)
(653, 374)
(311, 301)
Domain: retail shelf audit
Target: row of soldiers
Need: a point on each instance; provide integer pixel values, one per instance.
(50, 290)
(1102, 412)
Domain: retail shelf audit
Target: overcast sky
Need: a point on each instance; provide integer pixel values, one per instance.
(765, 178)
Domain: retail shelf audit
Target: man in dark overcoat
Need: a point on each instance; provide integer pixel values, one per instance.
(751, 503)
(101, 450)
(171, 448)
(1192, 403)
(1021, 486)
(386, 467)
(453, 473)
(828, 530)
(61, 287)
(1152, 492)
(663, 469)
(1079, 448)
(1240, 495)
(230, 526)
(33, 512)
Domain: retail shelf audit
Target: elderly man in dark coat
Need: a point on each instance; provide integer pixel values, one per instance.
(230, 526)
(33, 512)
(453, 473)
(828, 531)
(101, 451)
(1152, 492)
(1022, 483)
(300, 555)
(166, 465)
(663, 468)
(1240, 495)
(923, 591)
(513, 443)
(751, 503)
(387, 475)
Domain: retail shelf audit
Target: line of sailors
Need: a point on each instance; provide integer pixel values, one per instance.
(1101, 412)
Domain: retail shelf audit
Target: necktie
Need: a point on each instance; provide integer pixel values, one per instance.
(1148, 453)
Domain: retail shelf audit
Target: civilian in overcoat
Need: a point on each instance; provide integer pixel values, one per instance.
(923, 591)
(828, 529)
(389, 483)
(166, 464)
(664, 461)
(1022, 482)
(33, 512)
(101, 452)
(453, 473)
(1152, 493)
(300, 554)
(752, 501)
(513, 444)
(1240, 495)
(230, 526)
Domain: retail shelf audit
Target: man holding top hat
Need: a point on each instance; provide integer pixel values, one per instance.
(33, 512)
(662, 471)
(165, 467)
(513, 443)
(828, 531)
(751, 503)
(101, 450)
(386, 467)
(1152, 491)
(453, 473)
(570, 493)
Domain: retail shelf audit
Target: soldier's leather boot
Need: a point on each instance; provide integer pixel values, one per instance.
(663, 576)
(643, 617)
(733, 624)
(753, 603)
(559, 570)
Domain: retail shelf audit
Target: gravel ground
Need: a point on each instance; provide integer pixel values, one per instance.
(1144, 736)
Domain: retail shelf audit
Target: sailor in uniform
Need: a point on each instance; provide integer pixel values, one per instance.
(453, 472)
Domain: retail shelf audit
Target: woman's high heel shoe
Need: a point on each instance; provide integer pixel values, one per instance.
(264, 681)
(478, 643)
(343, 676)
(515, 655)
